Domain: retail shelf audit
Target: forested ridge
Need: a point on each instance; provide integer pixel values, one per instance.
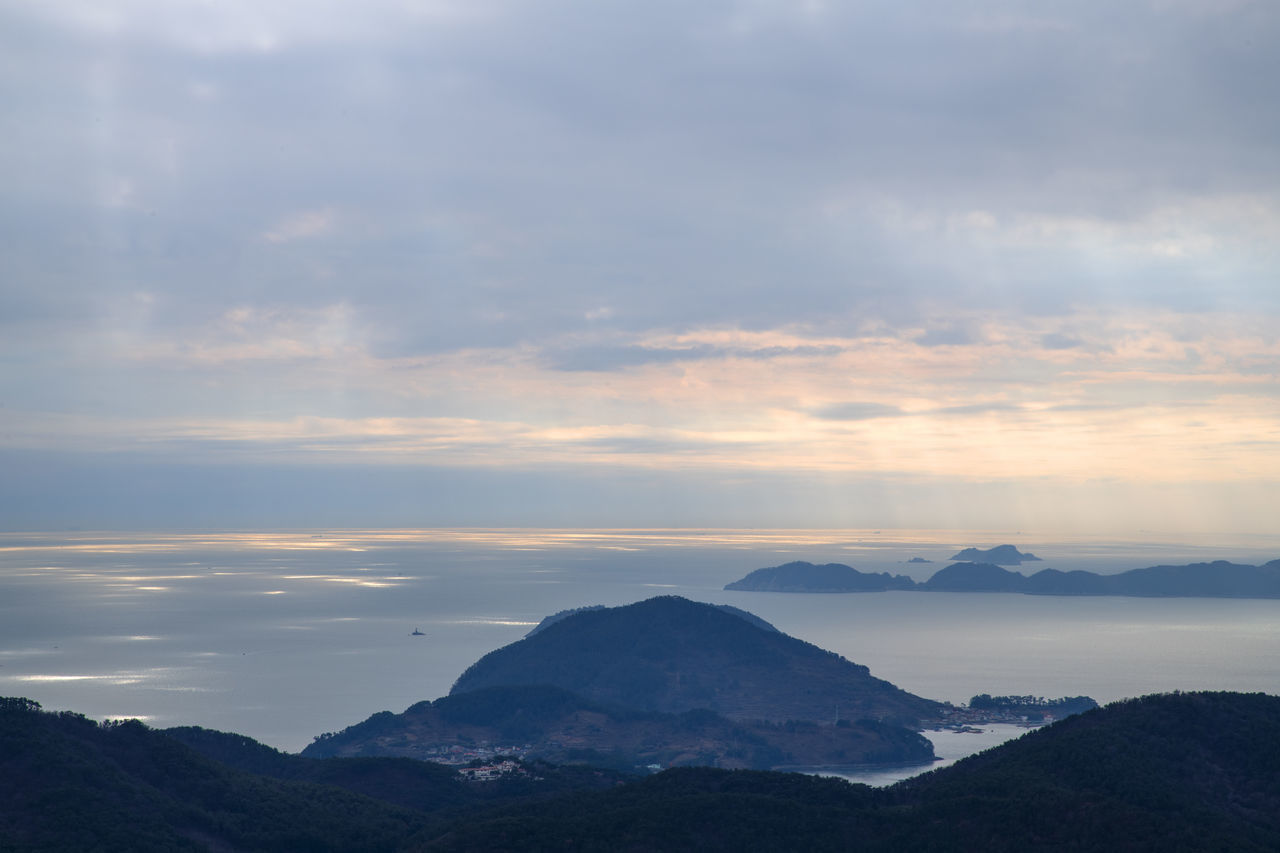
(1196, 771)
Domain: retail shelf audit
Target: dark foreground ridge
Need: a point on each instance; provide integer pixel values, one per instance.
(1182, 772)
(1197, 771)
(1219, 579)
(672, 655)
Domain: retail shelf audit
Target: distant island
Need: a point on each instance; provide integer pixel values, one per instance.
(1001, 555)
(1218, 579)
(806, 577)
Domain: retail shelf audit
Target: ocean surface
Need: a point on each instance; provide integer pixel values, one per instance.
(284, 635)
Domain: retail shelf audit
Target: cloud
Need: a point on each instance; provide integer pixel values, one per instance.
(857, 411)
(946, 337)
(300, 226)
(811, 236)
(1056, 341)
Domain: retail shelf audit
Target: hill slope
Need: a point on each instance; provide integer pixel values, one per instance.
(558, 726)
(67, 783)
(1182, 772)
(670, 654)
(801, 576)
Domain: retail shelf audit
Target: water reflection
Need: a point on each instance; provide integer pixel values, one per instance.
(283, 635)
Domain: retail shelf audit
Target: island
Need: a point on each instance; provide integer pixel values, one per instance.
(800, 576)
(664, 682)
(1217, 579)
(1001, 555)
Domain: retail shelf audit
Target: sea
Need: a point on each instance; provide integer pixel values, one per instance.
(284, 635)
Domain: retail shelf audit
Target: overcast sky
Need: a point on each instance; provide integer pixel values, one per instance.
(863, 264)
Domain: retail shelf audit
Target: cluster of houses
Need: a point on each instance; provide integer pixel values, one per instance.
(486, 772)
(456, 754)
(962, 718)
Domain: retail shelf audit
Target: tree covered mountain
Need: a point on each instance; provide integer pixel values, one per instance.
(1197, 771)
(1180, 772)
(672, 655)
(68, 783)
(800, 576)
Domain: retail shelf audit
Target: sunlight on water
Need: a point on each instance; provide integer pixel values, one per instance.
(284, 635)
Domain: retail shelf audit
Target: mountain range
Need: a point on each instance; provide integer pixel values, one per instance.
(1218, 579)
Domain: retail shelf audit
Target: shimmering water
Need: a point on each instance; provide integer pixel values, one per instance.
(282, 636)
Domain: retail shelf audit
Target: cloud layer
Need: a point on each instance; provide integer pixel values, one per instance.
(953, 244)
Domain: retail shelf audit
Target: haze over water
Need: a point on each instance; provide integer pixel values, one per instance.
(284, 635)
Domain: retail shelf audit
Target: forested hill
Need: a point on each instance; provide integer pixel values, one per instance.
(68, 783)
(1193, 772)
(671, 654)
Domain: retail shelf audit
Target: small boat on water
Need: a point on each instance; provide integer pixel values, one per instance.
(417, 633)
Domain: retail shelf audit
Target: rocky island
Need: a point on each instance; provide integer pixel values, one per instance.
(800, 576)
(1001, 555)
(1217, 579)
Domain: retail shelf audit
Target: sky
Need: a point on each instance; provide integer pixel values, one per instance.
(730, 263)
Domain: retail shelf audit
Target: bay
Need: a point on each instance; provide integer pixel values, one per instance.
(284, 635)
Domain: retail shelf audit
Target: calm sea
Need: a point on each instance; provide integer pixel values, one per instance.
(284, 635)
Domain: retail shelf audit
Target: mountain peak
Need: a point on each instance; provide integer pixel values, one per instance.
(671, 654)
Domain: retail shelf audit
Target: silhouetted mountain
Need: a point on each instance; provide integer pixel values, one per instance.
(727, 608)
(558, 726)
(1182, 772)
(67, 783)
(403, 781)
(1219, 579)
(670, 654)
(1000, 555)
(974, 577)
(1198, 771)
(1054, 582)
(806, 577)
